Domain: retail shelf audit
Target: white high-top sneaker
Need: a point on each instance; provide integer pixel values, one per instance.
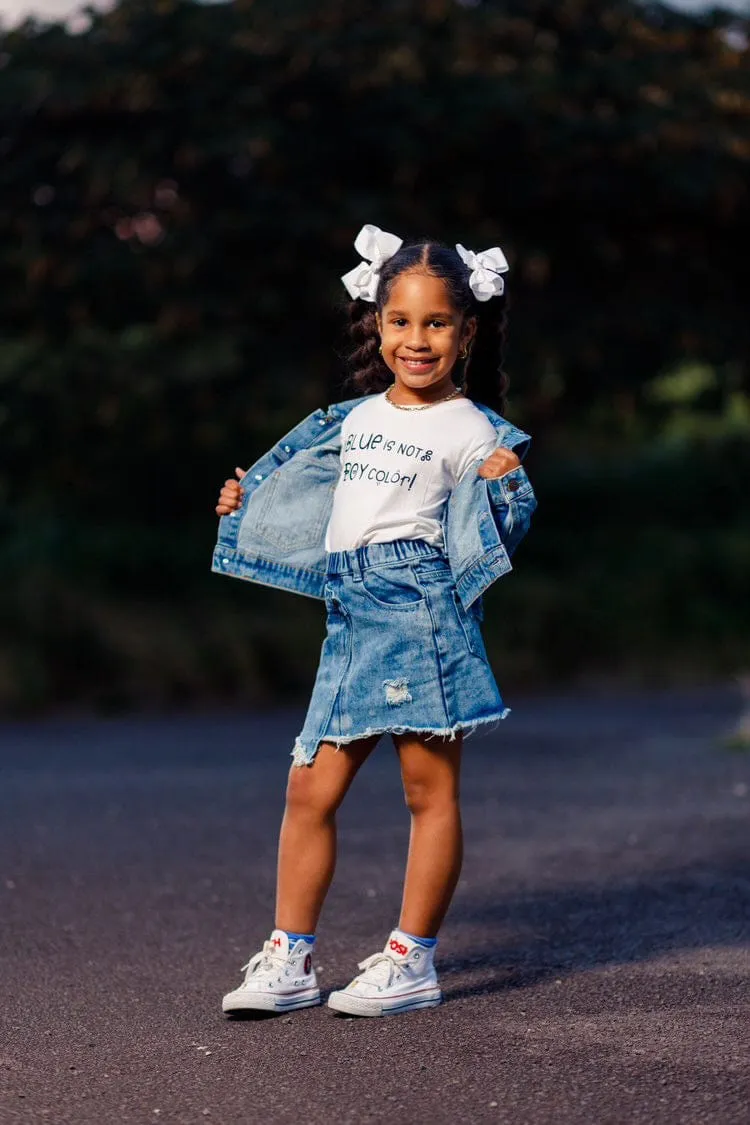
(399, 979)
(278, 979)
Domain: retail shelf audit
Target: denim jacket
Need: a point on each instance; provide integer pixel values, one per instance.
(277, 536)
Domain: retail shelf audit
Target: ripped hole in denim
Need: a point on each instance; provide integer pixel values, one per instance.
(396, 692)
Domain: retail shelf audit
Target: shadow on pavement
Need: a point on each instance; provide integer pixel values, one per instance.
(590, 926)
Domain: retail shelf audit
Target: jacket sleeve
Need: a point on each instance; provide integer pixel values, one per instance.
(511, 497)
(512, 502)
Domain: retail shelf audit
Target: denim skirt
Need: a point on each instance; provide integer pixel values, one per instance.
(400, 654)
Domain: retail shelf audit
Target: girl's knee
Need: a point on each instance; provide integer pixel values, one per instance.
(425, 797)
(307, 795)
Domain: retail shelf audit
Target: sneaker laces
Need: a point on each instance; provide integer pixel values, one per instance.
(266, 962)
(379, 969)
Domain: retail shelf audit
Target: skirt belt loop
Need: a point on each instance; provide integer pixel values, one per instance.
(356, 564)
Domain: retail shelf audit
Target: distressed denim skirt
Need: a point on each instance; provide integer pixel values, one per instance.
(400, 654)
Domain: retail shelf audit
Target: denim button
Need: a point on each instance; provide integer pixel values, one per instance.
(322, 421)
(287, 449)
(259, 476)
(225, 562)
(513, 486)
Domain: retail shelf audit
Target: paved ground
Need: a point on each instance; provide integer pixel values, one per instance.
(595, 964)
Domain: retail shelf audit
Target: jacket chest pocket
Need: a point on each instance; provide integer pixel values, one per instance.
(291, 509)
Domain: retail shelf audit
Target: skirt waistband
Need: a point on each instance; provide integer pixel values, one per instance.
(379, 554)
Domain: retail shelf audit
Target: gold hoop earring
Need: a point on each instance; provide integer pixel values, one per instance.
(465, 353)
(380, 349)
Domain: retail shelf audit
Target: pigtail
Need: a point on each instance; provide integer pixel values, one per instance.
(368, 373)
(484, 379)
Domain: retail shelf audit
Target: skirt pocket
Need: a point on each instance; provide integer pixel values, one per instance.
(393, 587)
(338, 625)
(470, 626)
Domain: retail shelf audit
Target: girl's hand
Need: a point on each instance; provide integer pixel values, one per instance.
(499, 462)
(230, 497)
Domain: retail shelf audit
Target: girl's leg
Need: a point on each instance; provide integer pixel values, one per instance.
(307, 846)
(430, 773)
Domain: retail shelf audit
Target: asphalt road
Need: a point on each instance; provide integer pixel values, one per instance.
(596, 962)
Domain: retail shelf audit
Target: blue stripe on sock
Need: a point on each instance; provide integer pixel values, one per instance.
(425, 942)
(309, 938)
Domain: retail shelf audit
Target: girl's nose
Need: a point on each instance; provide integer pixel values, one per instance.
(417, 341)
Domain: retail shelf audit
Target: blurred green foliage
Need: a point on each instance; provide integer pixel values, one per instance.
(180, 188)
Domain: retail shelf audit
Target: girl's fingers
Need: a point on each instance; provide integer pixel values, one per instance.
(240, 473)
(231, 488)
(499, 463)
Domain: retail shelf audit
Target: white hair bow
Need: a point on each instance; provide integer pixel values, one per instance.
(377, 246)
(486, 266)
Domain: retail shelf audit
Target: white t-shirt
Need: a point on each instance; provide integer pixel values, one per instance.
(398, 468)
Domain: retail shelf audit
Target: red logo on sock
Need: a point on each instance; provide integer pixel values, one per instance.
(397, 947)
(308, 965)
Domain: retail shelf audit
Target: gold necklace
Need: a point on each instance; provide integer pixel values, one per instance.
(424, 405)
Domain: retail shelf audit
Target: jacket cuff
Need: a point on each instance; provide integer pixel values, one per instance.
(505, 489)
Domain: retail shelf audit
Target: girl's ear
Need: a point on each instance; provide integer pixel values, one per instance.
(469, 330)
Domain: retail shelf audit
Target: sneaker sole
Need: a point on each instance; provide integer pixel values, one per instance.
(353, 1005)
(266, 1002)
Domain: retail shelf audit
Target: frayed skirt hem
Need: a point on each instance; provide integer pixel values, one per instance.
(303, 755)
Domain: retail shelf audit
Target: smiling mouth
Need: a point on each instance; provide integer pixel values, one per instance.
(418, 364)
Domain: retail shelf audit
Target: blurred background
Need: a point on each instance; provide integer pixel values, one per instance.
(181, 184)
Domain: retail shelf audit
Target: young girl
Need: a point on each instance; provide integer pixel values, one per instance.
(399, 509)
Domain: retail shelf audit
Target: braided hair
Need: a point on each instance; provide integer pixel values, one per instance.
(482, 379)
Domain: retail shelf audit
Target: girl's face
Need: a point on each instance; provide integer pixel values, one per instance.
(422, 334)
